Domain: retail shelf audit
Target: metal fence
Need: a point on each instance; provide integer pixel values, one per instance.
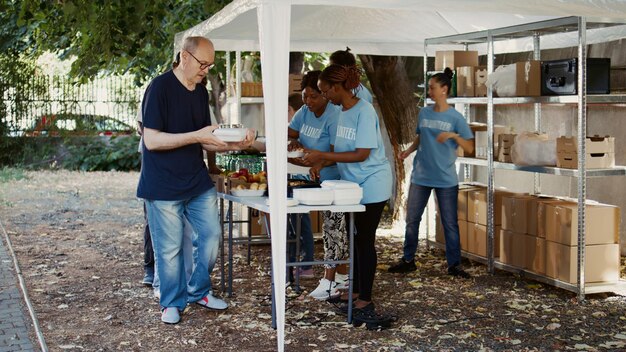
(28, 103)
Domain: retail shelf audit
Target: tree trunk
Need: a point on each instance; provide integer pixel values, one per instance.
(394, 92)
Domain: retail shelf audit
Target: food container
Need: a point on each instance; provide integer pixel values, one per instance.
(295, 154)
(314, 196)
(231, 133)
(345, 192)
(247, 192)
(297, 183)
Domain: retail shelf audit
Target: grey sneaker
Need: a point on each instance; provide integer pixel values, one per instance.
(170, 315)
(212, 302)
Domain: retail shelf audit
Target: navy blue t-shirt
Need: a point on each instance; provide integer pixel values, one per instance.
(180, 173)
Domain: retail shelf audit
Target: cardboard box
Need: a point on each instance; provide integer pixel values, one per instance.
(465, 81)
(512, 248)
(477, 239)
(593, 145)
(527, 76)
(477, 206)
(474, 127)
(294, 83)
(506, 140)
(454, 59)
(440, 237)
(481, 142)
(220, 183)
(592, 161)
(542, 203)
(519, 214)
(480, 88)
(463, 200)
(505, 156)
(535, 254)
(602, 223)
(601, 262)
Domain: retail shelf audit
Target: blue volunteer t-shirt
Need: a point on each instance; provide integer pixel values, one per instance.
(358, 127)
(433, 165)
(364, 93)
(180, 173)
(318, 133)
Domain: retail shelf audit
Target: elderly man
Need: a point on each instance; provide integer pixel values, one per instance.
(175, 182)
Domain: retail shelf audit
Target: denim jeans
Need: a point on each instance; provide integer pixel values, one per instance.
(187, 256)
(306, 238)
(447, 199)
(166, 219)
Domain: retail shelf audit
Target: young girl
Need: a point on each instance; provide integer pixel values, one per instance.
(360, 156)
(440, 130)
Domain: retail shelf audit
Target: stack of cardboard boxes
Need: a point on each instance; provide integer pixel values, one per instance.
(505, 143)
(540, 235)
(602, 256)
(599, 152)
(472, 219)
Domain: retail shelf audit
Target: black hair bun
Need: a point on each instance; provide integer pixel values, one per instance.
(448, 72)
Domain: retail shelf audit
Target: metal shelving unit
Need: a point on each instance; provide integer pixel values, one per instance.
(536, 30)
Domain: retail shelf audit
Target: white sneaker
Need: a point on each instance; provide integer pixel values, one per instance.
(156, 293)
(325, 290)
(212, 302)
(342, 281)
(170, 315)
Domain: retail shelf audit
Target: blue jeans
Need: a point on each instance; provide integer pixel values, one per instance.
(447, 199)
(306, 238)
(166, 219)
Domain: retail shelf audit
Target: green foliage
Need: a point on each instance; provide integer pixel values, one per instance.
(17, 86)
(115, 36)
(95, 154)
(9, 174)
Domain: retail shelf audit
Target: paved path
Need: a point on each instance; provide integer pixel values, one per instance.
(14, 320)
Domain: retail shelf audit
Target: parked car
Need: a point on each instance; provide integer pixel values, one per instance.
(78, 125)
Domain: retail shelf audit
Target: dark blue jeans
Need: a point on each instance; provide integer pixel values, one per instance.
(447, 199)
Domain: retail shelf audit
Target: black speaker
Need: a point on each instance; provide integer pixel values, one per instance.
(560, 77)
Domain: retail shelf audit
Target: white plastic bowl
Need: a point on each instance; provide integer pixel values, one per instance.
(314, 196)
(231, 134)
(247, 192)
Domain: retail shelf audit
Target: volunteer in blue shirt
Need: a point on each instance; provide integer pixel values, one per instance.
(175, 182)
(314, 126)
(346, 58)
(360, 156)
(440, 130)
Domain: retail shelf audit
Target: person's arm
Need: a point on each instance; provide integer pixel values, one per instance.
(230, 146)
(156, 140)
(356, 156)
(466, 144)
(413, 147)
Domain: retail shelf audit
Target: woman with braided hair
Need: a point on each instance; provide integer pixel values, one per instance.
(346, 58)
(360, 157)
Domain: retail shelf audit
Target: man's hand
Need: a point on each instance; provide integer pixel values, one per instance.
(205, 136)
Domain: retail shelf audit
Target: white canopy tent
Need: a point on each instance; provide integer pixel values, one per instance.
(377, 27)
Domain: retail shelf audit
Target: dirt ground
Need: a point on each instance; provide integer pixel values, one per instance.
(78, 238)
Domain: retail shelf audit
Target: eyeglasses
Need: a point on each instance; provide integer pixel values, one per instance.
(203, 65)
